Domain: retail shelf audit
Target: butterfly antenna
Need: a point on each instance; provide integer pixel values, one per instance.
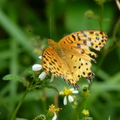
(50, 26)
(32, 32)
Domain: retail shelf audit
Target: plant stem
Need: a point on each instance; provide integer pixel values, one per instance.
(100, 17)
(19, 104)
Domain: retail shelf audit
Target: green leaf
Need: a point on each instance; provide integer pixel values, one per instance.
(14, 77)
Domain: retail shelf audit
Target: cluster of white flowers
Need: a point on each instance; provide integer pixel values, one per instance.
(38, 67)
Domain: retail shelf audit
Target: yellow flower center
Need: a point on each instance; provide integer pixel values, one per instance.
(53, 109)
(66, 91)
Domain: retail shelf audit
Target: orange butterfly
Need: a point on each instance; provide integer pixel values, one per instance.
(70, 57)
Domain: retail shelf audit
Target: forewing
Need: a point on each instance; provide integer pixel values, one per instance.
(78, 55)
(89, 38)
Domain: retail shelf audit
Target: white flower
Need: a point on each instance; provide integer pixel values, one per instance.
(42, 75)
(36, 67)
(55, 116)
(40, 57)
(67, 94)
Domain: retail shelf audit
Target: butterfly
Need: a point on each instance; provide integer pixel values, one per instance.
(70, 58)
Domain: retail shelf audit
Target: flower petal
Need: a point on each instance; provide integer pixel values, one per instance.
(42, 75)
(40, 57)
(36, 67)
(74, 91)
(65, 100)
(70, 98)
(55, 116)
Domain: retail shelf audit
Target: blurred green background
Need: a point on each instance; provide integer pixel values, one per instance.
(19, 50)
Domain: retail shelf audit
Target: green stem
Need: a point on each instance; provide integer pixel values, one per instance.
(19, 104)
(21, 101)
(44, 99)
(100, 17)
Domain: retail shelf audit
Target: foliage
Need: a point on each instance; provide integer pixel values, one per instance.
(20, 48)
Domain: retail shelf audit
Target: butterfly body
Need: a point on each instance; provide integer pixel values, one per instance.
(70, 58)
(56, 47)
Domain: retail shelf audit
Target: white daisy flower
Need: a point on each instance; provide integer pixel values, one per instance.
(67, 95)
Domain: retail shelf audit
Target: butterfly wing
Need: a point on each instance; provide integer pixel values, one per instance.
(75, 48)
(88, 38)
(70, 57)
(51, 62)
(54, 63)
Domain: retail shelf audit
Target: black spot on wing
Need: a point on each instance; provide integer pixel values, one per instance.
(96, 34)
(97, 38)
(72, 56)
(102, 40)
(73, 37)
(82, 51)
(89, 39)
(74, 66)
(78, 37)
(55, 60)
(85, 42)
(84, 34)
(96, 46)
(78, 45)
(83, 73)
(79, 67)
(101, 32)
(91, 32)
(78, 75)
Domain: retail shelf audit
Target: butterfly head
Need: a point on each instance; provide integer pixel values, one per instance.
(51, 42)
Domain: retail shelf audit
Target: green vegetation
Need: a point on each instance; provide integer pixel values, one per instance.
(25, 26)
